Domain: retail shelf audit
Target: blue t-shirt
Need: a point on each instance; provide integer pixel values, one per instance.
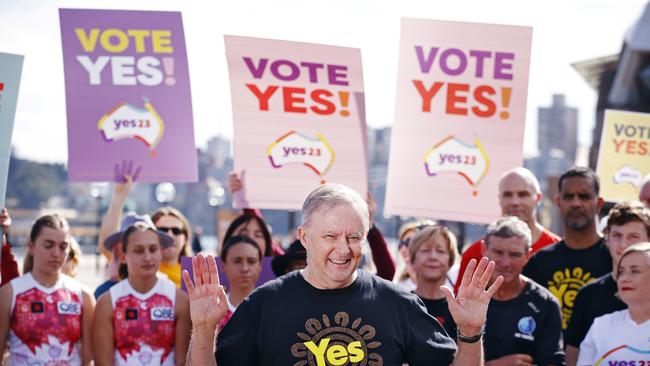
(104, 287)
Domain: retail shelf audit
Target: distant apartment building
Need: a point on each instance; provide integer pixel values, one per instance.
(558, 129)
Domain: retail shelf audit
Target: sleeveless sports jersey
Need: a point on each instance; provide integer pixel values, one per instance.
(45, 326)
(143, 324)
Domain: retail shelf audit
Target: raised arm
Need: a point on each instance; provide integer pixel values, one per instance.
(208, 305)
(469, 310)
(111, 221)
(380, 254)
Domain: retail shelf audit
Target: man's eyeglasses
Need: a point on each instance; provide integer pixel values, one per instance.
(174, 230)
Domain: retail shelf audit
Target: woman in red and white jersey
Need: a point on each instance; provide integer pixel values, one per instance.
(144, 319)
(47, 320)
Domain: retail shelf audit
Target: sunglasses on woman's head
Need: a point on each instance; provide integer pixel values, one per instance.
(174, 230)
(405, 242)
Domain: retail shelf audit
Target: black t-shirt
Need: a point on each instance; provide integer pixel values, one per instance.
(564, 271)
(530, 323)
(595, 299)
(289, 322)
(439, 309)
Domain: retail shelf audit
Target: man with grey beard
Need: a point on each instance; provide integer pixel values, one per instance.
(582, 256)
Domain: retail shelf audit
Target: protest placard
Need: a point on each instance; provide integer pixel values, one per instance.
(298, 119)
(11, 67)
(624, 155)
(459, 118)
(127, 95)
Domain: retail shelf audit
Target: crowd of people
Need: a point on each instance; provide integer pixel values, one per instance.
(521, 295)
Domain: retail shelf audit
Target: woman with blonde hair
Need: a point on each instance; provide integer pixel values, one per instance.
(432, 252)
(407, 276)
(622, 336)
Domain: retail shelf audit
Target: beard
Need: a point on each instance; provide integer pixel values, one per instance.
(578, 221)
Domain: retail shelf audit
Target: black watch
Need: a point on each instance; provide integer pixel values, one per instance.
(466, 339)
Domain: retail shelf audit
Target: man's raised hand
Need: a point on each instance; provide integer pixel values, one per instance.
(469, 307)
(208, 303)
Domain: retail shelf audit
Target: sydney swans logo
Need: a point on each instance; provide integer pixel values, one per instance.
(340, 343)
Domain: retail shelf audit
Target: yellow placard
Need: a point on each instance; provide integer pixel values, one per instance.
(624, 157)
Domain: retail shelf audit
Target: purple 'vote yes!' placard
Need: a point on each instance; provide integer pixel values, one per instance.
(128, 95)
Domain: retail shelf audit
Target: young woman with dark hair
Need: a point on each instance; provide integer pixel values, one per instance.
(242, 263)
(144, 319)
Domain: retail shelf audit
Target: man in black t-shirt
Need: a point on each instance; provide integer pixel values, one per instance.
(331, 312)
(627, 224)
(582, 255)
(524, 324)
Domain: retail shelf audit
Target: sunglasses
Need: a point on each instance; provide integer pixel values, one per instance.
(174, 230)
(405, 242)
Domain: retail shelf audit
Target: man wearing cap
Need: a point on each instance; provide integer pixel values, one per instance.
(331, 312)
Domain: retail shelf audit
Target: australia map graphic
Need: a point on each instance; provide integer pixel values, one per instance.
(129, 121)
(452, 155)
(315, 153)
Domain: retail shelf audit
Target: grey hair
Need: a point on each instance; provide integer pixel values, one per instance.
(524, 173)
(330, 195)
(509, 227)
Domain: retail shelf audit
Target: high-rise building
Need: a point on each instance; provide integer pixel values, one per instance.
(378, 141)
(558, 129)
(219, 151)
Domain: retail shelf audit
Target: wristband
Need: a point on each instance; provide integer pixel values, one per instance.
(466, 339)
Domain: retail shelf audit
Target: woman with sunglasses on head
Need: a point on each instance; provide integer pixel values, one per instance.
(242, 264)
(144, 319)
(622, 337)
(432, 252)
(44, 314)
(406, 279)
